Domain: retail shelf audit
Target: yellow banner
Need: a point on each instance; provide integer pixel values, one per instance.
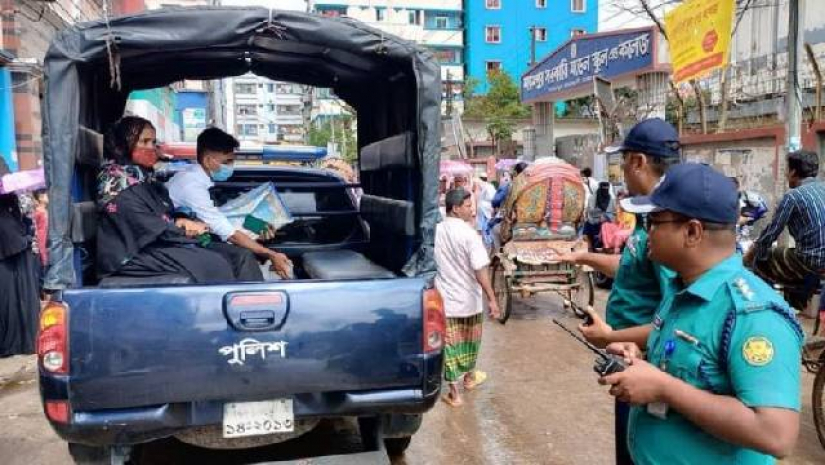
(699, 34)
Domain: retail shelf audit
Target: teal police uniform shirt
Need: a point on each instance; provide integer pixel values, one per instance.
(728, 333)
(637, 286)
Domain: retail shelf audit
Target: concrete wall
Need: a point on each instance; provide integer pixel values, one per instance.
(578, 150)
(757, 160)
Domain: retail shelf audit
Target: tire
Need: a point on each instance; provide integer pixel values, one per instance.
(501, 287)
(818, 401)
(89, 455)
(586, 295)
(397, 446)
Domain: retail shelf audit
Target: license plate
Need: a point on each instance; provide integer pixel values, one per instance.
(257, 418)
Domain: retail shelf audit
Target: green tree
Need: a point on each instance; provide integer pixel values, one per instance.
(500, 108)
(342, 134)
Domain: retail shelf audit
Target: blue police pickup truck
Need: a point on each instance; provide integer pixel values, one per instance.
(358, 333)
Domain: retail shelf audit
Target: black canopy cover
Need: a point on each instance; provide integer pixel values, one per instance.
(393, 84)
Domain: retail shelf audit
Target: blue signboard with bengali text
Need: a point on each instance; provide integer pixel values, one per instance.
(577, 62)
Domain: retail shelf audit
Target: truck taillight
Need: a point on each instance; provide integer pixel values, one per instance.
(57, 411)
(52, 346)
(435, 323)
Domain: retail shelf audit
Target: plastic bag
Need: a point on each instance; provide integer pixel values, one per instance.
(258, 207)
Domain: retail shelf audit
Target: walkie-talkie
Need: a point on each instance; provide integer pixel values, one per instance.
(606, 364)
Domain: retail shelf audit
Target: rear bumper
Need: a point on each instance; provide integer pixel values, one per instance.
(144, 424)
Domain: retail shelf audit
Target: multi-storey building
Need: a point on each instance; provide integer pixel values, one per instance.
(26, 29)
(506, 35)
(435, 24)
(261, 111)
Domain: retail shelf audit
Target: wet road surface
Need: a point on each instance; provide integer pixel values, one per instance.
(541, 405)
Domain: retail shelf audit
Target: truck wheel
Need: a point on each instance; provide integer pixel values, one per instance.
(89, 455)
(397, 446)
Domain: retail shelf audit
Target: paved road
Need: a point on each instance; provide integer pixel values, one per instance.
(541, 406)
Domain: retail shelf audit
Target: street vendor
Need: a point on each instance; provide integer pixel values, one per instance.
(189, 189)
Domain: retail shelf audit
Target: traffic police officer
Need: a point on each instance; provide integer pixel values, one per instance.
(721, 382)
(649, 149)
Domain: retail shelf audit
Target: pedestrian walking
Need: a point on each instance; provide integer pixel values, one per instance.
(19, 284)
(648, 151)
(721, 383)
(462, 276)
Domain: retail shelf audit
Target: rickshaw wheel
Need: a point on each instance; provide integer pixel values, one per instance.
(584, 295)
(818, 403)
(501, 287)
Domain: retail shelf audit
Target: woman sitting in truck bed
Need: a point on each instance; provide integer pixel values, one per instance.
(137, 233)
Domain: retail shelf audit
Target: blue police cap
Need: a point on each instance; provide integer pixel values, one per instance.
(655, 137)
(693, 190)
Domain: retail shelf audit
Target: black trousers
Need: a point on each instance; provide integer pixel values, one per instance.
(245, 266)
(622, 417)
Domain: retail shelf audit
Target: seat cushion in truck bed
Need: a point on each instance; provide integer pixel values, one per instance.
(342, 264)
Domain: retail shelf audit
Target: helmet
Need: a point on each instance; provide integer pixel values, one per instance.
(753, 206)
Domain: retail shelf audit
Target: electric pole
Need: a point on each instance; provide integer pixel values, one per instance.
(532, 45)
(796, 33)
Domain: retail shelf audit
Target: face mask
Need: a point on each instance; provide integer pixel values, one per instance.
(223, 173)
(145, 157)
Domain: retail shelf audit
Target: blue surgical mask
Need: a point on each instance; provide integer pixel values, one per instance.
(223, 173)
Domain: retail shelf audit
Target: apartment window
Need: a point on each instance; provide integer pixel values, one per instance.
(541, 34)
(271, 107)
(414, 17)
(492, 34)
(447, 56)
(246, 129)
(243, 88)
(577, 32)
(270, 88)
(492, 4)
(441, 22)
(493, 66)
(541, 3)
(247, 110)
(578, 6)
(380, 14)
(272, 128)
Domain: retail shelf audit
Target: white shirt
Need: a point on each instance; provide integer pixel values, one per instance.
(459, 253)
(485, 199)
(189, 188)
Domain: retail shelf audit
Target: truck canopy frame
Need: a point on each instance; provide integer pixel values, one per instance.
(394, 86)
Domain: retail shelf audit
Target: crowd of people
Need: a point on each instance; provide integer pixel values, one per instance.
(712, 350)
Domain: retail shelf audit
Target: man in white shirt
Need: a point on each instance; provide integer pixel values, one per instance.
(462, 274)
(190, 189)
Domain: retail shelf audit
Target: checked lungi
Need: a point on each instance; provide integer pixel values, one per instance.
(784, 266)
(463, 341)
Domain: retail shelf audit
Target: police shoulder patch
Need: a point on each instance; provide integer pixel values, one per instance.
(757, 351)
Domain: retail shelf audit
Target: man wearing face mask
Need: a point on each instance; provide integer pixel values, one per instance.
(190, 189)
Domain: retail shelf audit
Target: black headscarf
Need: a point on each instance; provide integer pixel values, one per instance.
(603, 196)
